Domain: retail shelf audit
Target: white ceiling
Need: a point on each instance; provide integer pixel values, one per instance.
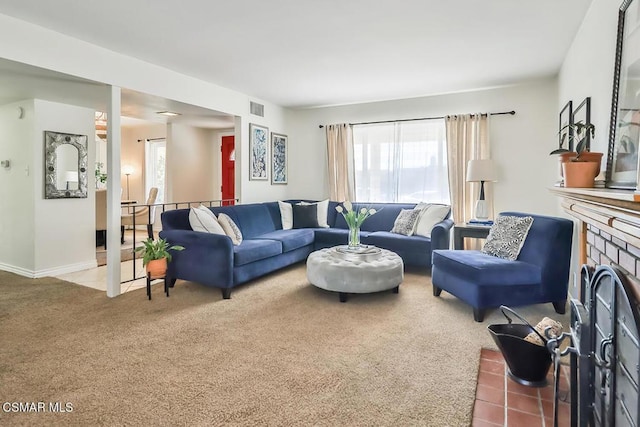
(301, 53)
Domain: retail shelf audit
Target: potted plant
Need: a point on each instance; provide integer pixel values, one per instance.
(101, 177)
(155, 255)
(354, 220)
(580, 167)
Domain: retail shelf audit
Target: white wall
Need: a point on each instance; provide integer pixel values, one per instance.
(42, 236)
(588, 68)
(520, 143)
(191, 172)
(17, 188)
(64, 228)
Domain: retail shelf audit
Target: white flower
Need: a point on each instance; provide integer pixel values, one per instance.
(348, 206)
(363, 211)
(372, 211)
(339, 209)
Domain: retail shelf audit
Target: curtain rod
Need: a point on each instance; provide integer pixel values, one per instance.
(511, 113)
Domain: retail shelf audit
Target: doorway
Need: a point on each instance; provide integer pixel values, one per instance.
(228, 170)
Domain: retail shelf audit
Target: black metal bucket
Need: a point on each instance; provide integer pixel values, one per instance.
(528, 363)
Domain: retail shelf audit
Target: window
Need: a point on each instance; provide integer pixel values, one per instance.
(401, 162)
(155, 155)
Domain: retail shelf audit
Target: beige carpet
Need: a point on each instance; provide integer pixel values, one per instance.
(280, 352)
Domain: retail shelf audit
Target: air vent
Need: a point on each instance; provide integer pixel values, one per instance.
(257, 109)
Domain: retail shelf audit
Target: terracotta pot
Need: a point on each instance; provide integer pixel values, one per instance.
(587, 156)
(580, 174)
(157, 268)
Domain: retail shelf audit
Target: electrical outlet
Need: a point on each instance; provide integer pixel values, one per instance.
(5, 163)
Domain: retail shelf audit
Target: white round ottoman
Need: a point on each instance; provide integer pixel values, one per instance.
(339, 270)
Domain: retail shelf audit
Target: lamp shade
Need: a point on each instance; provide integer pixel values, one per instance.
(481, 170)
(127, 170)
(71, 176)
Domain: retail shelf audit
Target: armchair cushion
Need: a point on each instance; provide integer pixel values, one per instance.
(485, 270)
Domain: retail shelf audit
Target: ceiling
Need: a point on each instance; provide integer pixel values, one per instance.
(302, 53)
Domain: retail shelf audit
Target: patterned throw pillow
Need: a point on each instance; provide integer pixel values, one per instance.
(405, 221)
(507, 236)
(230, 228)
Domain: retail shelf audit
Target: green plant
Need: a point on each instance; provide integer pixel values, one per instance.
(353, 218)
(100, 176)
(578, 136)
(156, 249)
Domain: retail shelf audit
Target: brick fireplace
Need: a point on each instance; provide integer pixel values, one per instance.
(605, 323)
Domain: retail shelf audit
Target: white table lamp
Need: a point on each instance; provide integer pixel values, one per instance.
(70, 176)
(481, 171)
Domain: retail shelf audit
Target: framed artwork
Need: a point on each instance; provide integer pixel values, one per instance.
(259, 152)
(582, 114)
(279, 158)
(564, 130)
(624, 132)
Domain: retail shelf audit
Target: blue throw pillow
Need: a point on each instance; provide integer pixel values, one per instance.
(305, 216)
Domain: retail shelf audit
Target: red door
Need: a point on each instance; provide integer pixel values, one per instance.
(228, 170)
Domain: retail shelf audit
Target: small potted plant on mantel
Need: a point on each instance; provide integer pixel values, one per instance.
(155, 255)
(580, 167)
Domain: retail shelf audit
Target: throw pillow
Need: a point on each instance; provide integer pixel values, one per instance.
(305, 216)
(430, 215)
(323, 208)
(405, 221)
(230, 228)
(286, 215)
(203, 220)
(506, 236)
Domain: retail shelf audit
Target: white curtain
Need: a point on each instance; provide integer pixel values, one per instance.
(340, 162)
(467, 139)
(401, 162)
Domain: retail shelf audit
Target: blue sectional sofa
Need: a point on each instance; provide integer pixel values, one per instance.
(213, 260)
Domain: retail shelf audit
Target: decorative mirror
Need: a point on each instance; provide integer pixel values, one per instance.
(624, 130)
(65, 165)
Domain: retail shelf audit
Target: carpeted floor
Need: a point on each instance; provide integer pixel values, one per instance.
(280, 352)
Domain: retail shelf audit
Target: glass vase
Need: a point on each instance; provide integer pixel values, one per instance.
(354, 237)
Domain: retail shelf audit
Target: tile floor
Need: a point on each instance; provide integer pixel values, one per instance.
(500, 401)
(96, 278)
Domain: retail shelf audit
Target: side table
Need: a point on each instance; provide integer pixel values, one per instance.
(460, 231)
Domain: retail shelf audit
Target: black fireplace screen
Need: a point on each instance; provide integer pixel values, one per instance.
(605, 351)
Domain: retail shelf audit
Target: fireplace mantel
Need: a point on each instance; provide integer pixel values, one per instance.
(609, 227)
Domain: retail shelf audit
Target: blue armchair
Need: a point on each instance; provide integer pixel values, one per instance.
(540, 274)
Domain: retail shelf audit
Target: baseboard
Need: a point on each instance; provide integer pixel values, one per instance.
(17, 270)
(56, 271)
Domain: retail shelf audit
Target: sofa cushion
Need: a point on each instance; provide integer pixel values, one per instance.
(203, 220)
(406, 221)
(385, 216)
(291, 239)
(398, 242)
(305, 216)
(334, 236)
(430, 215)
(255, 250)
(486, 270)
(253, 219)
(230, 228)
(286, 215)
(323, 210)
